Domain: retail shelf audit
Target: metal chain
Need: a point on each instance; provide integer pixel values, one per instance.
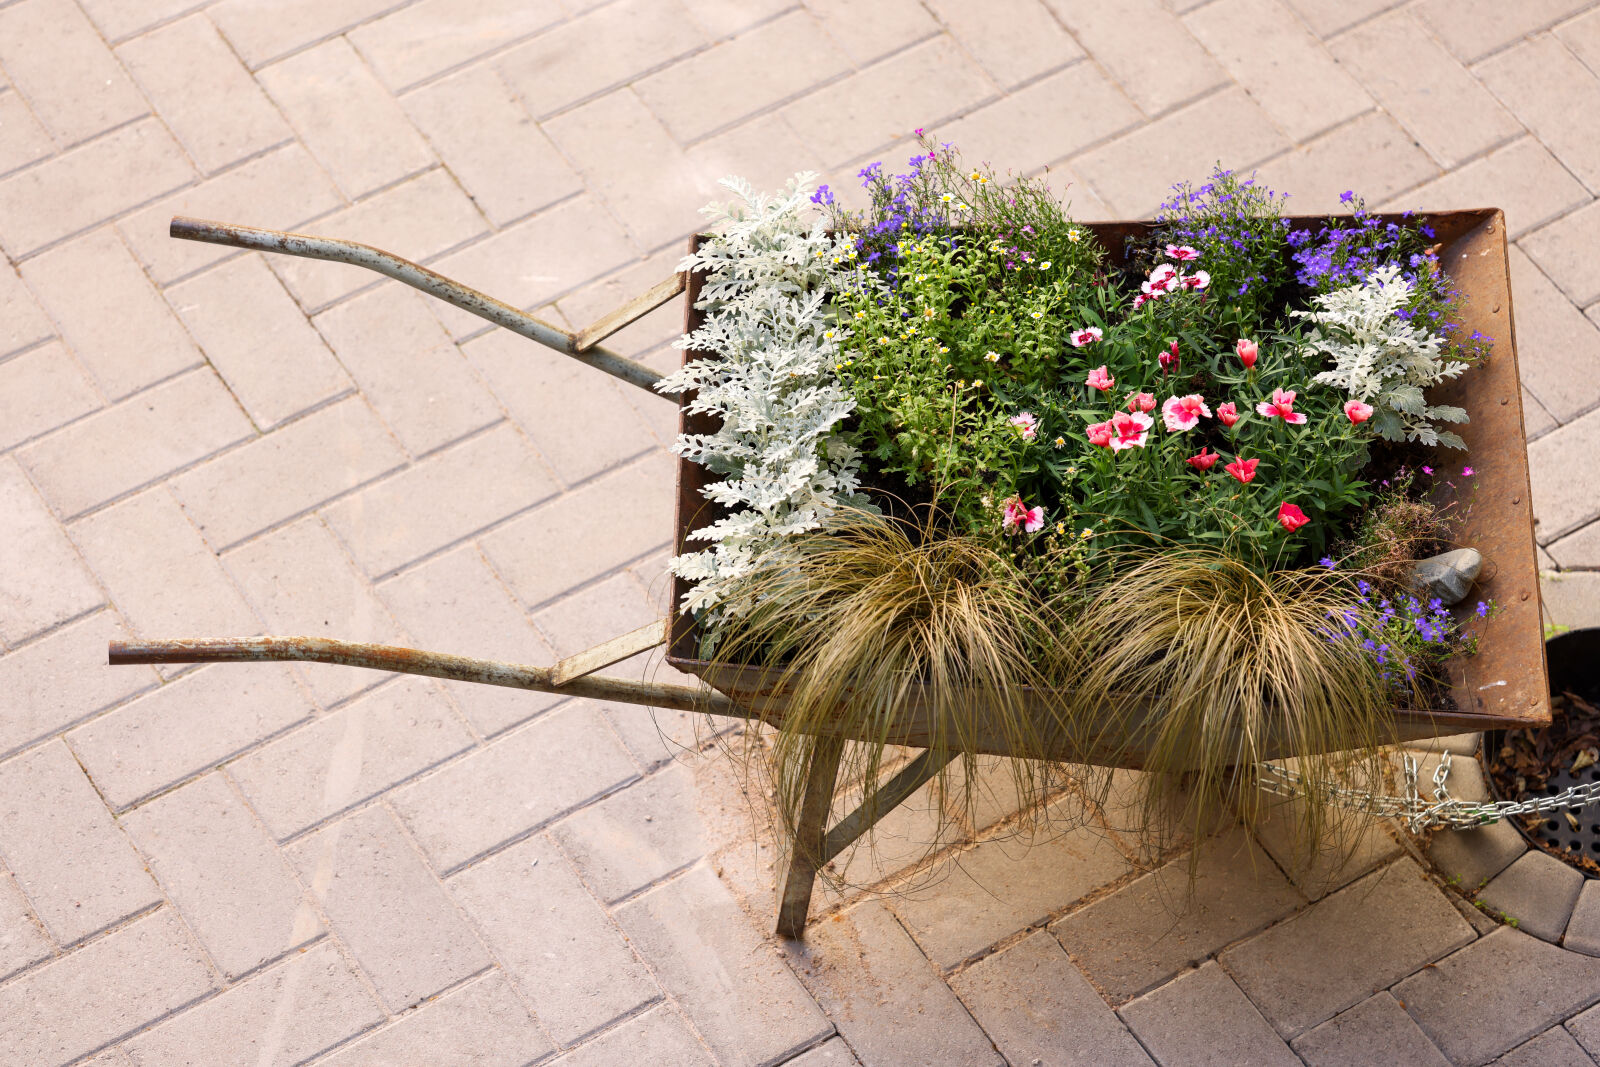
(1420, 814)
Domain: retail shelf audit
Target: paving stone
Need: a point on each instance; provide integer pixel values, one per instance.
(1586, 1028)
(289, 1013)
(484, 135)
(22, 139)
(1469, 858)
(1553, 1048)
(1553, 94)
(868, 32)
(1496, 993)
(607, 46)
(1563, 498)
(1326, 20)
(655, 735)
(62, 678)
(264, 30)
(901, 840)
(280, 190)
(65, 850)
(44, 581)
(656, 1036)
(22, 322)
(1018, 886)
(889, 1003)
(536, 260)
(1283, 67)
(203, 93)
(354, 753)
(440, 500)
(106, 990)
(1145, 48)
(256, 337)
(725, 18)
(1581, 548)
(1474, 28)
(419, 219)
(110, 314)
(1457, 745)
(1377, 1030)
(1424, 87)
(345, 117)
(590, 430)
(1202, 1018)
(1583, 930)
(483, 1024)
(561, 762)
(160, 574)
(1015, 41)
(454, 603)
(426, 39)
(630, 160)
(1369, 154)
(728, 978)
(615, 605)
(22, 940)
(287, 472)
(1132, 173)
(1037, 1008)
(118, 21)
(302, 582)
(1536, 423)
(1351, 849)
(186, 726)
(69, 193)
(389, 911)
(224, 874)
(1538, 891)
(637, 835)
(763, 150)
(1149, 930)
(1557, 250)
(1079, 106)
(57, 60)
(567, 529)
(565, 955)
(151, 434)
(1522, 178)
(714, 89)
(1379, 930)
(1571, 598)
(920, 87)
(40, 390)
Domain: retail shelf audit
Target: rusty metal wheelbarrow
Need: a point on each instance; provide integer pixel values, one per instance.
(1503, 686)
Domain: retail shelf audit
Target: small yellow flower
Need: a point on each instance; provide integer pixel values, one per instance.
(1045, 265)
(962, 205)
(877, 377)
(883, 340)
(861, 314)
(974, 176)
(947, 198)
(922, 277)
(1037, 315)
(977, 383)
(1072, 470)
(1087, 533)
(928, 313)
(992, 357)
(911, 329)
(836, 259)
(961, 384)
(944, 349)
(828, 334)
(1074, 236)
(1061, 442)
(852, 253)
(903, 336)
(1061, 528)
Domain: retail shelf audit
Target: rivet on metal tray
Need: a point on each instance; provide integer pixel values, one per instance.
(1525, 596)
(1516, 500)
(1504, 401)
(1495, 310)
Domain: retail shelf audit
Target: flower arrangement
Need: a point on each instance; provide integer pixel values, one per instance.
(966, 449)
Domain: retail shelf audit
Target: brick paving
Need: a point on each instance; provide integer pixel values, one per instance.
(274, 864)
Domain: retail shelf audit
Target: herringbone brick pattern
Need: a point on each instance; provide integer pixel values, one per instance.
(269, 864)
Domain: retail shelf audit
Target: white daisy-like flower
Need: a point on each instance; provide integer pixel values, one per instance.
(992, 357)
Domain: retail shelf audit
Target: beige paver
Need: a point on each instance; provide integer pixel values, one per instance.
(109, 988)
(637, 835)
(257, 339)
(45, 581)
(59, 679)
(75, 866)
(1202, 1017)
(1146, 48)
(264, 30)
(1474, 28)
(482, 1024)
(345, 118)
(206, 97)
(1564, 500)
(1553, 1048)
(658, 1035)
(22, 139)
(1369, 155)
(425, 39)
(176, 731)
(70, 78)
(1538, 891)
(507, 788)
(1583, 929)
(1376, 1030)
(107, 310)
(22, 323)
(221, 870)
(41, 389)
(745, 1002)
(1522, 178)
(22, 939)
(388, 736)
(566, 956)
(396, 920)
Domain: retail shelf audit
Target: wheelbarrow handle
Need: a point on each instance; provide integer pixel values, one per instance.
(416, 661)
(581, 346)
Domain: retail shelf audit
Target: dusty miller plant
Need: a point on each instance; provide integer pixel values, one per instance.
(1382, 359)
(771, 381)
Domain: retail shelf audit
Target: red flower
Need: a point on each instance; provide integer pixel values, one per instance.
(1228, 413)
(1248, 351)
(1169, 358)
(1100, 379)
(1243, 469)
(1291, 516)
(1357, 412)
(1141, 401)
(1204, 460)
(1100, 434)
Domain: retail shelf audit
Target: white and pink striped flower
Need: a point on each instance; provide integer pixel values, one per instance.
(1129, 430)
(1182, 253)
(1183, 412)
(1198, 280)
(1026, 424)
(1086, 336)
(1019, 517)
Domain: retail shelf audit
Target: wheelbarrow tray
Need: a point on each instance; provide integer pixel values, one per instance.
(1505, 684)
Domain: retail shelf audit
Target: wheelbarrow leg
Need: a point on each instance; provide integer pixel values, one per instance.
(806, 849)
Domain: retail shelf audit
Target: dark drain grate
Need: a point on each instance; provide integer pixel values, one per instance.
(1574, 830)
